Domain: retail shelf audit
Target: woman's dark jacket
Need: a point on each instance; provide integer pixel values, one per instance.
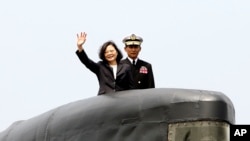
(107, 82)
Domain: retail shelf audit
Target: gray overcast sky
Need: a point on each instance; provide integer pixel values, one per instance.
(192, 44)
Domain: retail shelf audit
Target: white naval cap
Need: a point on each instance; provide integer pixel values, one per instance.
(132, 40)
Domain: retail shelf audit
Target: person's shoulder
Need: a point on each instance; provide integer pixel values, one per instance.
(144, 62)
(124, 64)
(101, 63)
(124, 61)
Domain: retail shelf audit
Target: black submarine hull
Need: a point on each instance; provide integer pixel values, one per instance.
(139, 115)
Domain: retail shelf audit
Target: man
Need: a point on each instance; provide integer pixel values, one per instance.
(142, 70)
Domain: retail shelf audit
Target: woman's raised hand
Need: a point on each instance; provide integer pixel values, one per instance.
(81, 38)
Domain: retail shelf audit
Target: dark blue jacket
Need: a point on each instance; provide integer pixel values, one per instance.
(142, 73)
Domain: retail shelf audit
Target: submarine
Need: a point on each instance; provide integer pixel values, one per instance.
(157, 114)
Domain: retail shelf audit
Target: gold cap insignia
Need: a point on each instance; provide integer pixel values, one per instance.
(133, 37)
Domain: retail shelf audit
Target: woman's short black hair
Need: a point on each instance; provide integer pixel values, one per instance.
(103, 49)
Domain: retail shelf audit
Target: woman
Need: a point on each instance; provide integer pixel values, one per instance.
(112, 75)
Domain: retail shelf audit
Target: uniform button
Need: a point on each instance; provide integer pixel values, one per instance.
(139, 82)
